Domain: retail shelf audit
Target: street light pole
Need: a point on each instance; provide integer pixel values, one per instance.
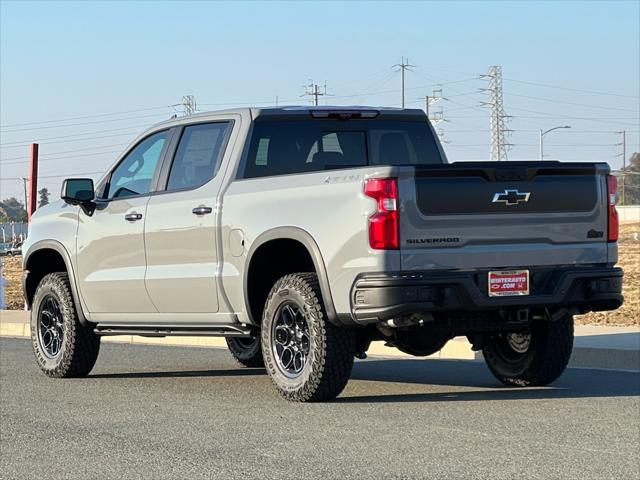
(543, 133)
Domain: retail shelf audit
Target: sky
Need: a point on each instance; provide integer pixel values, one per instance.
(84, 78)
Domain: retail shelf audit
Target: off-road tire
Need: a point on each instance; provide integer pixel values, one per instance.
(331, 349)
(246, 351)
(80, 345)
(544, 361)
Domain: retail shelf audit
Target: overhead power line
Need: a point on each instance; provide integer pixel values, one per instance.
(86, 116)
(75, 139)
(56, 176)
(571, 103)
(92, 132)
(25, 161)
(554, 115)
(83, 123)
(594, 92)
(68, 151)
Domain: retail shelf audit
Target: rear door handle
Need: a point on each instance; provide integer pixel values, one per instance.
(132, 217)
(201, 210)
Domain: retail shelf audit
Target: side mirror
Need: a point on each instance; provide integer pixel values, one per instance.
(79, 191)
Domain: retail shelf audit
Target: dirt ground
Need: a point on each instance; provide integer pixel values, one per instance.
(629, 314)
(629, 260)
(12, 274)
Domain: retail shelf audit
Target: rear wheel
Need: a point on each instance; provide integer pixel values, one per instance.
(62, 345)
(537, 356)
(246, 351)
(308, 358)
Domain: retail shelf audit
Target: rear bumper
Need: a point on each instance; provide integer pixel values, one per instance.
(379, 297)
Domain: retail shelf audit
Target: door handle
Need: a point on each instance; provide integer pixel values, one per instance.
(132, 217)
(201, 210)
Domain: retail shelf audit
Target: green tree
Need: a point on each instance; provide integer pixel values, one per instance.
(4, 218)
(14, 210)
(44, 197)
(631, 181)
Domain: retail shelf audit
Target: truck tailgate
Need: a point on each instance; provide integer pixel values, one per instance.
(472, 215)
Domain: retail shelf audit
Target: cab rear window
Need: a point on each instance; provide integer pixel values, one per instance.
(290, 147)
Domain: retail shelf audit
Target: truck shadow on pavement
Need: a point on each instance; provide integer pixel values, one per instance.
(466, 381)
(574, 383)
(239, 372)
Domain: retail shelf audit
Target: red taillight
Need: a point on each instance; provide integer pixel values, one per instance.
(613, 223)
(383, 225)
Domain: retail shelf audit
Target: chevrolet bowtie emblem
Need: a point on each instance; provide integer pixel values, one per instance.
(511, 197)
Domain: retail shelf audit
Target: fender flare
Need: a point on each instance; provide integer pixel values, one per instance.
(62, 251)
(305, 238)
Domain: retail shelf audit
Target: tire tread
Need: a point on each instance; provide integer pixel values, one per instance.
(82, 345)
(335, 347)
(552, 344)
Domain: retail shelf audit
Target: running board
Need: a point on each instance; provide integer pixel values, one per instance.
(230, 330)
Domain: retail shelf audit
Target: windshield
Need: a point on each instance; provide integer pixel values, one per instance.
(286, 147)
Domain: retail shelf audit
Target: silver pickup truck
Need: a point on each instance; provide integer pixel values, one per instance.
(303, 234)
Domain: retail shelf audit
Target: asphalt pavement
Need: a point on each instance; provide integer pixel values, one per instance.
(174, 412)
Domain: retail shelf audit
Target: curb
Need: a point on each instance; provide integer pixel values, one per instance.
(456, 349)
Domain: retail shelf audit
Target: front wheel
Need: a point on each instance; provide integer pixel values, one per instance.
(308, 358)
(537, 356)
(62, 345)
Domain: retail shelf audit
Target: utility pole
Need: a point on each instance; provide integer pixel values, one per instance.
(432, 99)
(440, 134)
(623, 172)
(313, 90)
(435, 97)
(189, 105)
(437, 117)
(33, 181)
(402, 66)
(499, 132)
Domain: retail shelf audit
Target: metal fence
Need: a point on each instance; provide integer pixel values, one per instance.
(629, 213)
(13, 232)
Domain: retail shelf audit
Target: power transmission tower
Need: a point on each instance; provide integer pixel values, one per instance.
(499, 132)
(623, 172)
(188, 105)
(401, 67)
(313, 90)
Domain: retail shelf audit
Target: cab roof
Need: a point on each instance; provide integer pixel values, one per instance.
(303, 111)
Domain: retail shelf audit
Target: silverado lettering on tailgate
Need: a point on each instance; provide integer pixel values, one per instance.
(433, 240)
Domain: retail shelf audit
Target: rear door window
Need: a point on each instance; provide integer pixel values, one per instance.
(198, 156)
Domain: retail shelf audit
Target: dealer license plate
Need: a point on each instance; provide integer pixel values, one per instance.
(508, 283)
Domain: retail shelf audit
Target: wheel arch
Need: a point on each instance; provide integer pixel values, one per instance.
(306, 241)
(57, 259)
